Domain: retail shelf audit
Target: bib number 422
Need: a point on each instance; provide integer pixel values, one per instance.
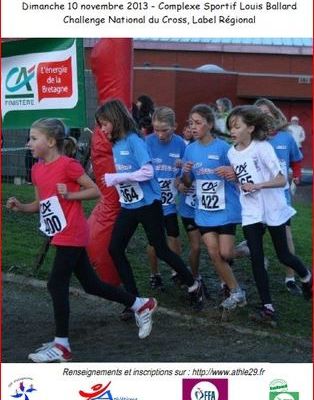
(210, 201)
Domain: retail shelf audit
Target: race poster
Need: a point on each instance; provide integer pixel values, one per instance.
(184, 53)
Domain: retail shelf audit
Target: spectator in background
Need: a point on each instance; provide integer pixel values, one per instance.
(224, 106)
(296, 131)
(187, 134)
(142, 113)
(145, 126)
(144, 108)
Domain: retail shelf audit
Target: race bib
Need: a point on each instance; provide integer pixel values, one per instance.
(52, 219)
(210, 195)
(130, 193)
(168, 191)
(190, 197)
(246, 172)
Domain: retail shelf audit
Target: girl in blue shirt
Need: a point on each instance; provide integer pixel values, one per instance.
(166, 149)
(217, 201)
(139, 196)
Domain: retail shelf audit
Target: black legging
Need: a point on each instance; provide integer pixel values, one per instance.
(151, 217)
(70, 260)
(254, 236)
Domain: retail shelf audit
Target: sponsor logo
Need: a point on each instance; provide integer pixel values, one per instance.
(51, 79)
(157, 160)
(103, 392)
(19, 80)
(213, 157)
(22, 388)
(205, 389)
(98, 392)
(278, 390)
(36, 81)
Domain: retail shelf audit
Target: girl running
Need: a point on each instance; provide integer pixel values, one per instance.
(289, 156)
(166, 149)
(60, 184)
(263, 201)
(139, 196)
(217, 200)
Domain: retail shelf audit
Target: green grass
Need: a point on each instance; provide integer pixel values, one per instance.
(21, 243)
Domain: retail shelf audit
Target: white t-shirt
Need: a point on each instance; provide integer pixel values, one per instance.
(256, 164)
(297, 133)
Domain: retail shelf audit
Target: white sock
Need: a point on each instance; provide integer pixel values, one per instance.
(193, 287)
(269, 307)
(307, 278)
(289, 279)
(64, 341)
(139, 301)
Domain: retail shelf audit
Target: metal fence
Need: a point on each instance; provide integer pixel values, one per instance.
(17, 160)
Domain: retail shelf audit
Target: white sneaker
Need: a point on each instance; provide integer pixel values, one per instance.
(45, 346)
(237, 298)
(51, 352)
(143, 317)
(242, 249)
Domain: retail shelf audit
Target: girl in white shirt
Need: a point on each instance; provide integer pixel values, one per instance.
(263, 202)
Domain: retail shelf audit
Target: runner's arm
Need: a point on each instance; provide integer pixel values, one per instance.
(278, 181)
(145, 173)
(89, 189)
(15, 205)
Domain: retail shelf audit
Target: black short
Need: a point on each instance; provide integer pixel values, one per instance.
(171, 225)
(228, 229)
(189, 224)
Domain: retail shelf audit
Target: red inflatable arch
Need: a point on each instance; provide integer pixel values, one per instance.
(112, 65)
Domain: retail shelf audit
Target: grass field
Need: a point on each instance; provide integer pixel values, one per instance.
(21, 242)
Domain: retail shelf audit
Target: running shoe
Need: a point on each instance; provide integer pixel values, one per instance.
(242, 249)
(127, 314)
(45, 346)
(237, 298)
(197, 297)
(176, 279)
(224, 291)
(293, 288)
(205, 289)
(307, 289)
(265, 316)
(143, 317)
(156, 282)
(54, 352)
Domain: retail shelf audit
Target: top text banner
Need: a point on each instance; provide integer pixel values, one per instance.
(154, 18)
